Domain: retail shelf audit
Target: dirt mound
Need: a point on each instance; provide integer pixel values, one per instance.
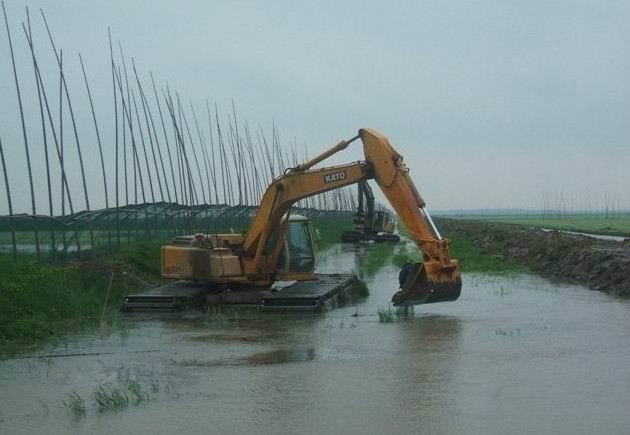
(599, 264)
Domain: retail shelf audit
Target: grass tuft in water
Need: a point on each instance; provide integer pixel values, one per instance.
(110, 398)
(358, 288)
(386, 315)
(75, 405)
(126, 391)
(342, 298)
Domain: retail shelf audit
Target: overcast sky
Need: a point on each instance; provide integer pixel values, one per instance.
(491, 103)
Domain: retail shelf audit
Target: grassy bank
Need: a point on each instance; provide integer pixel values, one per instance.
(618, 225)
(470, 258)
(42, 301)
(598, 264)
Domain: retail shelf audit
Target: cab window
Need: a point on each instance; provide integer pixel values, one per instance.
(300, 245)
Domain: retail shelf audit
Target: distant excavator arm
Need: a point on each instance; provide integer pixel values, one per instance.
(436, 279)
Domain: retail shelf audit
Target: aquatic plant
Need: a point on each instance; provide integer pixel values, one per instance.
(108, 398)
(342, 297)
(126, 391)
(75, 405)
(386, 315)
(358, 288)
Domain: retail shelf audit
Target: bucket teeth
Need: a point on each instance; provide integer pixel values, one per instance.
(417, 288)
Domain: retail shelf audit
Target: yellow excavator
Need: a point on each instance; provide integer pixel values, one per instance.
(281, 247)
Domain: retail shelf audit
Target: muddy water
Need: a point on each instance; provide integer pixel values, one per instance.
(514, 354)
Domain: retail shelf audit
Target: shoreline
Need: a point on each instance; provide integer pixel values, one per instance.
(597, 264)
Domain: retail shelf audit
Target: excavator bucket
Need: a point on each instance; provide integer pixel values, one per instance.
(427, 283)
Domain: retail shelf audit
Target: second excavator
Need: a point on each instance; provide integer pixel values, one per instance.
(278, 247)
(369, 223)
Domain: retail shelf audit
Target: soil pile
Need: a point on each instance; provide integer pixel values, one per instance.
(599, 264)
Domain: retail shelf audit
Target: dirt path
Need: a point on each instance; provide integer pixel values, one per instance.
(599, 264)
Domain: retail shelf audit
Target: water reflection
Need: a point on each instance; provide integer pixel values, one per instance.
(276, 356)
(428, 356)
(281, 356)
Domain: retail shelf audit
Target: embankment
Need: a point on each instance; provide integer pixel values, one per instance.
(598, 264)
(41, 301)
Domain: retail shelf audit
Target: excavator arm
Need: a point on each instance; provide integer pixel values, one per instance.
(438, 277)
(435, 279)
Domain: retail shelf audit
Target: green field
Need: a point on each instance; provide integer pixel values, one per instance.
(618, 225)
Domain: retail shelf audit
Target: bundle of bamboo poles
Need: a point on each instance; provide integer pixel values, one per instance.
(161, 151)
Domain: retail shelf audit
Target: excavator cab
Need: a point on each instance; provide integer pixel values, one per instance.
(299, 254)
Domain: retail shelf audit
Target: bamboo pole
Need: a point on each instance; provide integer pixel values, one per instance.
(136, 161)
(29, 38)
(100, 149)
(192, 149)
(178, 153)
(144, 148)
(269, 154)
(153, 137)
(204, 152)
(168, 150)
(256, 187)
(9, 202)
(115, 95)
(194, 198)
(146, 118)
(225, 174)
(124, 137)
(236, 155)
(74, 125)
(61, 153)
(187, 173)
(181, 168)
(214, 166)
(130, 126)
(98, 134)
(24, 135)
